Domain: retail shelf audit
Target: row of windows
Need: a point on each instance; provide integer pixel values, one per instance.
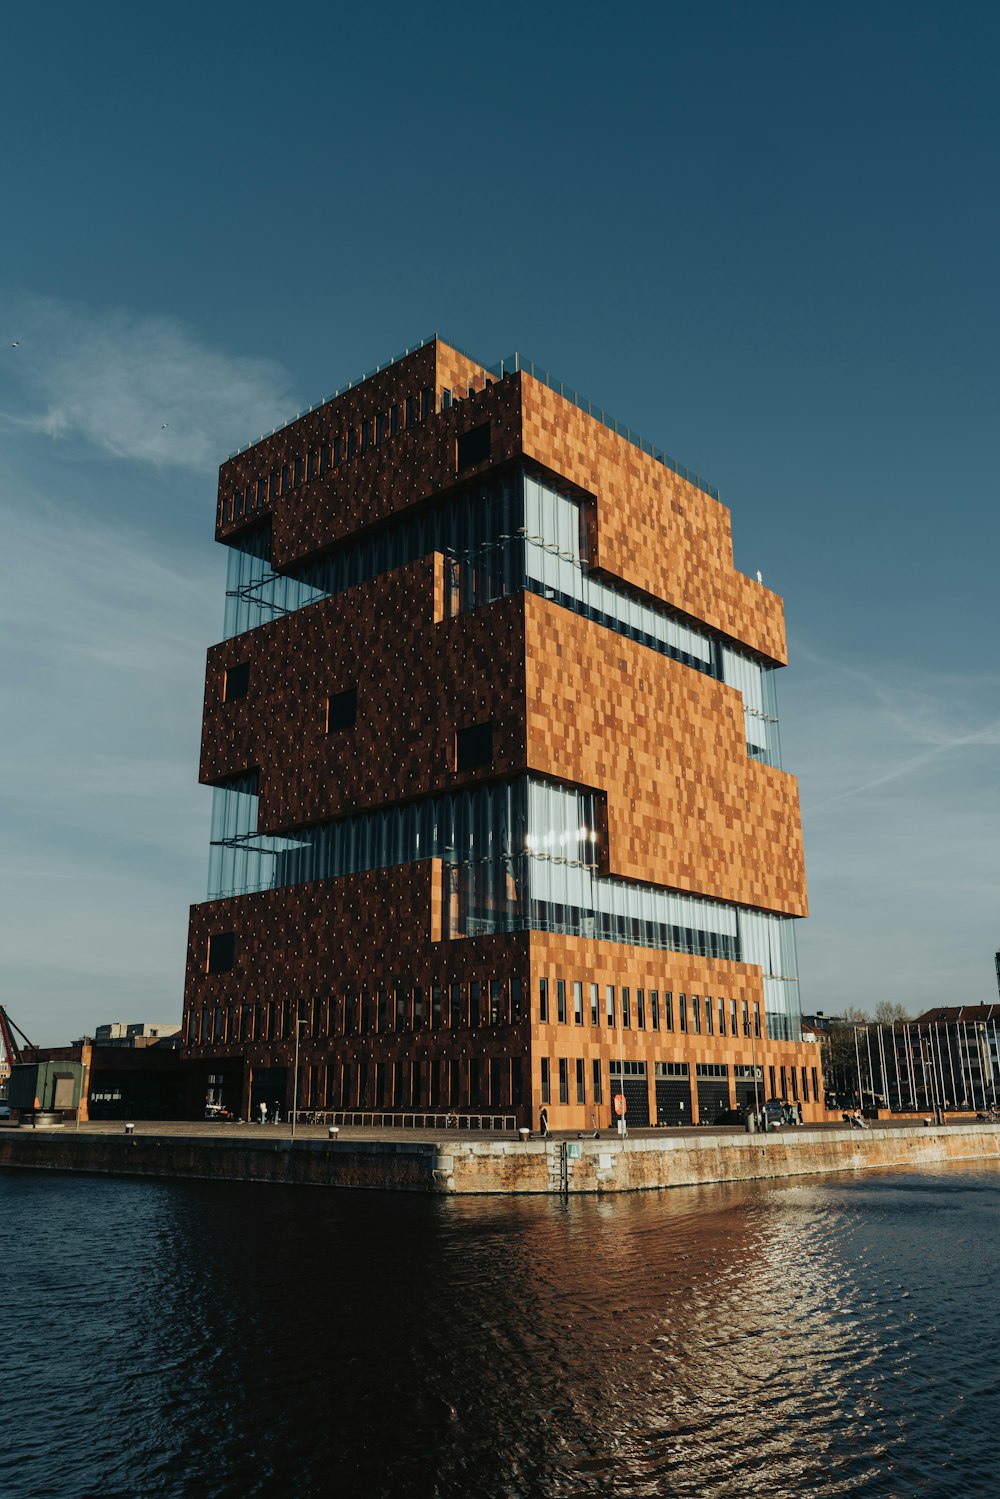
(338, 448)
(495, 1002)
(789, 1081)
(696, 1014)
(579, 1072)
(793, 1081)
(475, 1082)
(402, 1007)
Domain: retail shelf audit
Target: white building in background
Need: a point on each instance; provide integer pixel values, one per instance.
(135, 1033)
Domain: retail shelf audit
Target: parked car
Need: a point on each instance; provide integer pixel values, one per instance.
(4, 1110)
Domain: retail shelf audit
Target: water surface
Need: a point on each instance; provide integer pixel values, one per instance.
(216, 1341)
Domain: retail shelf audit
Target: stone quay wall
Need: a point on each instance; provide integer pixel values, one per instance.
(449, 1165)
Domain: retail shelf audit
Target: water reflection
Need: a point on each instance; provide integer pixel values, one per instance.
(222, 1341)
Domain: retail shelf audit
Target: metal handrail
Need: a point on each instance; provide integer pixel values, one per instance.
(407, 1119)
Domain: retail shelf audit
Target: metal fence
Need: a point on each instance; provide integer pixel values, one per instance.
(396, 1119)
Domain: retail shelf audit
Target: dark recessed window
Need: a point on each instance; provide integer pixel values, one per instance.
(366, 436)
(426, 397)
(342, 710)
(297, 472)
(221, 952)
(474, 446)
(275, 488)
(474, 747)
(337, 453)
(394, 421)
(324, 458)
(380, 427)
(313, 469)
(410, 411)
(237, 682)
(352, 443)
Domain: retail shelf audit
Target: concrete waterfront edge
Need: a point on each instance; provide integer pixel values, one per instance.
(498, 1167)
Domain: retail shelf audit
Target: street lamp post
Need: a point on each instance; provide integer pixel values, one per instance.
(299, 1023)
(622, 1123)
(753, 1055)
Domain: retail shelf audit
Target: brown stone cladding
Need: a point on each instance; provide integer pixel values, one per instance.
(419, 679)
(397, 1013)
(327, 951)
(381, 478)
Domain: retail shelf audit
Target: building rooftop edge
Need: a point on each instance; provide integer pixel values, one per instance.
(509, 365)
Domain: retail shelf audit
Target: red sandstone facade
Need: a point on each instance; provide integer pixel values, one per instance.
(398, 1008)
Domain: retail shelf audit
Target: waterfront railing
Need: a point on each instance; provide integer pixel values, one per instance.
(398, 1119)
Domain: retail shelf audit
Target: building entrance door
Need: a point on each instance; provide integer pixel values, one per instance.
(673, 1100)
(713, 1100)
(268, 1086)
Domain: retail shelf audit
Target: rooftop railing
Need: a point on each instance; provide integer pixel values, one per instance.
(515, 362)
(499, 371)
(396, 358)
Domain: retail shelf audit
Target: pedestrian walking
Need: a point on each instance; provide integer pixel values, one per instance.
(543, 1123)
(263, 1112)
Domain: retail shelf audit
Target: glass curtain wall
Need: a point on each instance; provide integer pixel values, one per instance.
(518, 855)
(478, 525)
(255, 593)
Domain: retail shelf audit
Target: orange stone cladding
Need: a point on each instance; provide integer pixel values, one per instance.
(574, 960)
(662, 746)
(687, 807)
(653, 529)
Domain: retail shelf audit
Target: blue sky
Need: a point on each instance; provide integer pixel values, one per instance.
(763, 235)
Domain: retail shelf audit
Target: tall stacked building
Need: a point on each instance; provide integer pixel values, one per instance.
(499, 819)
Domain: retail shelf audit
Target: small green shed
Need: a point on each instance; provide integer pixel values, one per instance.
(51, 1086)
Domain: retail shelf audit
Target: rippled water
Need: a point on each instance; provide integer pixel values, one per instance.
(180, 1339)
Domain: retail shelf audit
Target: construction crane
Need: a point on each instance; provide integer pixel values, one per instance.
(13, 1052)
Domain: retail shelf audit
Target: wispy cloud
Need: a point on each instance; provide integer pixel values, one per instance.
(134, 386)
(103, 823)
(902, 720)
(110, 590)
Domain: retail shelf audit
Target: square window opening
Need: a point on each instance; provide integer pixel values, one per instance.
(237, 683)
(474, 747)
(342, 710)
